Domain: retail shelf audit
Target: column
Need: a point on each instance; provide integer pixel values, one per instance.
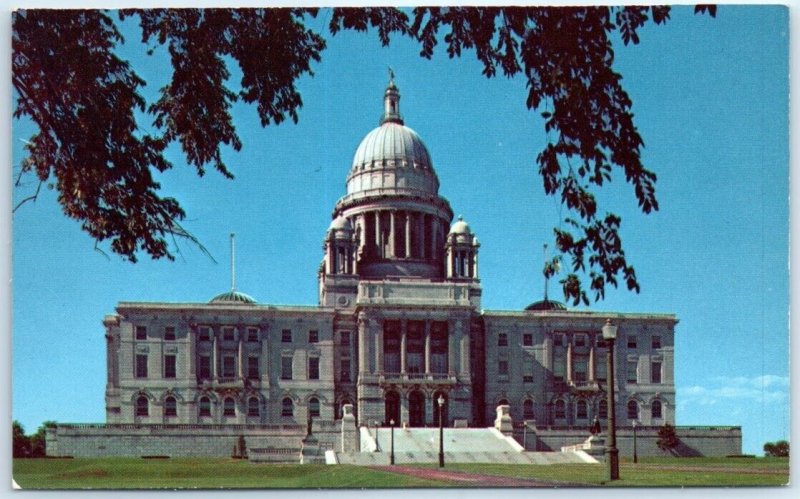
(453, 326)
(265, 357)
(475, 262)
(214, 355)
(422, 217)
(329, 263)
(192, 351)
(240, 352)
(427, 347)
(434, 253)
(465, 367)
(363, 367)
(378, 242)
(450, 257)
(403, 330)
(379, 350)
(392, 247)
(591, 360)
(408, 234)
(569, 358)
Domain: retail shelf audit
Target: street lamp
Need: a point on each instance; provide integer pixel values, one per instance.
(635, 456)
(609, 335)
(391, 447)
(441, 432)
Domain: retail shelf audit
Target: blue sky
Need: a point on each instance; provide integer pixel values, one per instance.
(711, 102)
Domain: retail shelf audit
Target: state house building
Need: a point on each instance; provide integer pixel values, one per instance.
(398, 323)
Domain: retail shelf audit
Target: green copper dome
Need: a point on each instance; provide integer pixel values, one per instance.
(233, 297)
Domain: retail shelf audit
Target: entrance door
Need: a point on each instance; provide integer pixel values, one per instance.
(392, 408)
(416, 409)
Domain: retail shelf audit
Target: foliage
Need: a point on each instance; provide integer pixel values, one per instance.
(91, 149)
(777, 449)
(29, 446)
(667, 438)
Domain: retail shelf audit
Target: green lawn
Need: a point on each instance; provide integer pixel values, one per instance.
(127, 473)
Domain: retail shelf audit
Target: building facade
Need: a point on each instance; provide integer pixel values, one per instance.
(398, 325)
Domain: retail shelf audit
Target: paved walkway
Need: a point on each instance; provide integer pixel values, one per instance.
(472, 479)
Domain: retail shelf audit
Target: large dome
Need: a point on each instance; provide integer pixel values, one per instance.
(391, 143)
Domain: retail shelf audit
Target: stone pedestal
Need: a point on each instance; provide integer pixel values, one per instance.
(350, 438)
(503, 422)
(595, 446)
(310, 451)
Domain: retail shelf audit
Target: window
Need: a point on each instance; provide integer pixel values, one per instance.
(527, 409)
(633, 410)
(228, 407)
(581, 368)
(252, 368)
(313, 336)
(252, 334)
(602, 409)
(204, 333)
(228, 366)
(527, 378)
(632, 342)
(527, 340)
(600, 370)
(656, 342)
(205, 406)
(502, 367)
(560, 409)
(502, 340)
(141, 366)
(170, 406)
(581, 410)
(345, 370)
(655, 372)
(204, 368)
(344, 338)
(655, 409)
(559, 365)
(169, 333)
(313, 407)
(313, 368)
(141, 332)
(286, 368)
(227, 333)
(169, 366)
(580, 340)
(286, 336)
(631, 371)
(142, 406)
(601, 343)
(287, 408)
(253, 407)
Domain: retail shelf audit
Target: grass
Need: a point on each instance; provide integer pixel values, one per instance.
(134, 473)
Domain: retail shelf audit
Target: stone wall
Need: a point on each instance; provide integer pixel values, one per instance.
(695, 441)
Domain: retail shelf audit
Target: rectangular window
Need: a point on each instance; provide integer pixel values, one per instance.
(631, 371)
(559, 365)
(169, 333)
(141, 332)
(527, 340)
(502, 367)
(580, 340)
(204, 367)
(141, 366)
(655, 372)
(344, 338)
(527, 378)
(204, 333)
(313, 368)
(252, 334)
(656, 342)
(345, 371)
(286, 368)
(502, 340)
(313, 336)
(632, 342)
(600, 370)
(228, 366)
(227, 334)
(581, 367)
(169, 366)
(252, 368)
(286, 336)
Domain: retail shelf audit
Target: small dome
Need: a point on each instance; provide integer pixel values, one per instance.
(460, 227)
(233, 297)
(545, 305)
(340, 223)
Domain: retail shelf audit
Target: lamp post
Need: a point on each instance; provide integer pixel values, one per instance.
(610, 334)
(635, 456)
(391, 446)
(441, 432)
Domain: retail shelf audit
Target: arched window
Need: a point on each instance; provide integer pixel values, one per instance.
(633, 410)
(142, 406)
(581, 410)
(313, 407)
(205, 406)
(502, 402)
(170, 406)
(561, 409)
(527, 409)
(602, 409)
(228, 407)
(287, 407)
(655, 409)
(253, 407)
